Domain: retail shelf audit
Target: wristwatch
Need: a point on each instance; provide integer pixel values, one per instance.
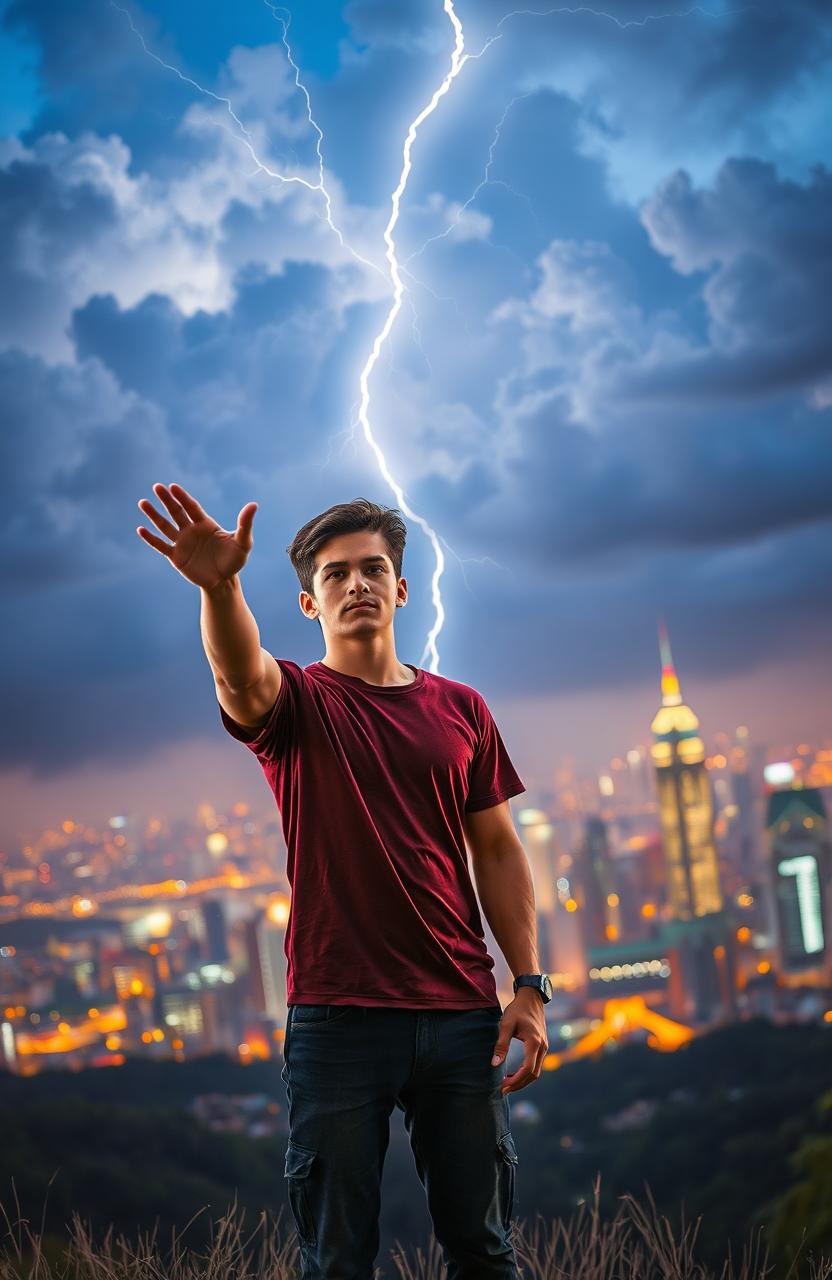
(540, 982)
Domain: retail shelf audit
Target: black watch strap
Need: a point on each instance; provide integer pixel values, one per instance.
(540, 982)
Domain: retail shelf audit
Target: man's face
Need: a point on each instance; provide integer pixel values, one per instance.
(354, 569)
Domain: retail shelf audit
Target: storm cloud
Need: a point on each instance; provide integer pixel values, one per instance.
(609, 388)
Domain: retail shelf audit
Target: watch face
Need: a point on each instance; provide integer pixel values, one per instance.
(546, 986)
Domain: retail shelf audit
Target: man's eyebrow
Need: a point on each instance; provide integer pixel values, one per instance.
(342, 564)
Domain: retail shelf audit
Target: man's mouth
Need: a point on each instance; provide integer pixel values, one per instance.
(362, 604)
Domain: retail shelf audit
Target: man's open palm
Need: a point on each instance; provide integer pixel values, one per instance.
(199, 548)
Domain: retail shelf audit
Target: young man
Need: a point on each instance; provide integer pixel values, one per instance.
(383, 774)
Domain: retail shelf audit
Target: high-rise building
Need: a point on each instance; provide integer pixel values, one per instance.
(635, 908)
(270, 945)
(743, 797)
(214, 920)
(685, 805)
(797, 830)
(597, 879)
(8, 1048)
(538, 836)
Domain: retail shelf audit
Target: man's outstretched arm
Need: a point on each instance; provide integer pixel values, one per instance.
(247, 678)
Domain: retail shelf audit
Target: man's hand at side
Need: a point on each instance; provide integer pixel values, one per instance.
(524, 1020)
(506, 893)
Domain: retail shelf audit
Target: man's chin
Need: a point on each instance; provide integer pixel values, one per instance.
(355, 617)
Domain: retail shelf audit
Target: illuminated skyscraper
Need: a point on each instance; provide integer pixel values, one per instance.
(685, 807)
(270, 939)
(265, 936)
(798, 842)
(8, 1049)
(537, 834)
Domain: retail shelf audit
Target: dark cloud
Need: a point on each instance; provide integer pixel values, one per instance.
(765, 244)
(243, 388)
(540, 184)
(660, 482)
(91, 75)
(140, 346)
(379, 23)
(764, 47)
(106, 639)
(748, 210)
(708, 72)
(74, 447)
(607, 413)
(100, 70)
(45, 227)
(737, 610)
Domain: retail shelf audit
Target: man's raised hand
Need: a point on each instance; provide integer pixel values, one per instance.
(199, 548)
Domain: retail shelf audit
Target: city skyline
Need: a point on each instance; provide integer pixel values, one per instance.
(159, 936)
(27, 805)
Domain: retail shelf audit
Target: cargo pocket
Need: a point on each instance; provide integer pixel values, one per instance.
(298, 1167)
(507, 1154)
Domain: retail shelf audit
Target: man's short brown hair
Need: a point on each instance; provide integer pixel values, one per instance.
(346, 517)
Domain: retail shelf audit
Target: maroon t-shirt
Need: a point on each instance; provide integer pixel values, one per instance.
(372, 783)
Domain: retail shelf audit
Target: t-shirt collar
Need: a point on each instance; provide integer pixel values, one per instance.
(320, 668)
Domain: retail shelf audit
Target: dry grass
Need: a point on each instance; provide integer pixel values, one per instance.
(637, 1243)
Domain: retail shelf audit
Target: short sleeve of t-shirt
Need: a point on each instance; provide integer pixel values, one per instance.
(492, 776)
(270, 740)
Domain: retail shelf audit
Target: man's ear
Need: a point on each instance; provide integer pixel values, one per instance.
(308, 605)
(401, 592)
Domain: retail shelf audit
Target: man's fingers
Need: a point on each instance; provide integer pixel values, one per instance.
(189, 503)
(500, 1051)
(518, 1080)
(147, 536)
(508, 1028)
(175, 508)
(147, 509)
(529, 1069)
(524, 1072)
(244, 522)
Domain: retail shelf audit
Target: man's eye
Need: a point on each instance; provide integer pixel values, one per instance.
(335, 572)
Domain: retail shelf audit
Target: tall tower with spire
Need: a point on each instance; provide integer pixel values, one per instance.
(685, 807)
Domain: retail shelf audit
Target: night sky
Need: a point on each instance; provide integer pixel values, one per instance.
(609, 389)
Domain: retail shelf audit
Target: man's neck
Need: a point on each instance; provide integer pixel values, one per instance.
(376, 663)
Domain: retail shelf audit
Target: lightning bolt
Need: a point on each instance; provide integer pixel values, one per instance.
(245, 136)
(485, 181)
(284, 23)
(458, 60)
(628, 22)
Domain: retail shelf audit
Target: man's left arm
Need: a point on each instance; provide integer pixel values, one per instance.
(506, 892)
